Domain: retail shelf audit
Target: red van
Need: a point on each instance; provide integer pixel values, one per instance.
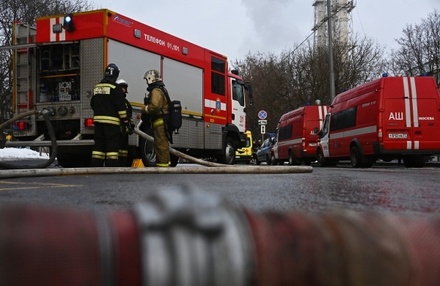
(388, 118)
(296, 137)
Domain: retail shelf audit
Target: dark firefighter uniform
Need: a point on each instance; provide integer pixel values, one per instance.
(109, 113)
(157, 108)
(123, 141)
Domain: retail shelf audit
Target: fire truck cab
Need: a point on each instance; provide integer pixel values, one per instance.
(67, 60)
(387, 118)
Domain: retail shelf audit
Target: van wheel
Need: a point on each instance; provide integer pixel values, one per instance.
(292, 160)
(355, 157)
(414, 161)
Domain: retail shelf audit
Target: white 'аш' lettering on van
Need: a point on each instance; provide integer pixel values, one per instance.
(396, 116)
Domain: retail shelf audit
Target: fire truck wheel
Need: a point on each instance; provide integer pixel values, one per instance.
(148, 155)
(228, 154)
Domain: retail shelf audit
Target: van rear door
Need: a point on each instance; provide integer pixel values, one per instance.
(411, 117)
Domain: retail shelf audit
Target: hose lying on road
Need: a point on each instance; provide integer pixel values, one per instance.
(183, 236)
(178, 153)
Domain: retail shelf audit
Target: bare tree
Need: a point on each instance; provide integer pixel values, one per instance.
(301, 76)
(419, 52)
(25, 11)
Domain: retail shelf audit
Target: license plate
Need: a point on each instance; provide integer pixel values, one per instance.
(397, 135)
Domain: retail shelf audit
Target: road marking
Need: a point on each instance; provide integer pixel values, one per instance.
(33, 185)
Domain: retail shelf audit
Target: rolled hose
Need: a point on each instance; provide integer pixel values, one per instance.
(46, 113)
(184, 236)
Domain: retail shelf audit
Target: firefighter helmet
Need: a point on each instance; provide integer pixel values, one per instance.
(112, 71)
(152, 76)
(122, 82)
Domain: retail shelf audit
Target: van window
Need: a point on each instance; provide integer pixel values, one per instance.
(343, 119)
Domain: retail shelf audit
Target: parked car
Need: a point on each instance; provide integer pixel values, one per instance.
(263, 153)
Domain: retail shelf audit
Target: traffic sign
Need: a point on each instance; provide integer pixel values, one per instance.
(262, 122)
(263, 129)
(262, 114)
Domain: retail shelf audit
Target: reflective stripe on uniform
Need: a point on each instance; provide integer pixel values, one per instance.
(122, 114)
(103, 88)
(106, 119)
(158, 122)
(112, 155)
(98, 155)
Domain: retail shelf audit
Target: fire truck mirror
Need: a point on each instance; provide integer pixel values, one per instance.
(316, 131)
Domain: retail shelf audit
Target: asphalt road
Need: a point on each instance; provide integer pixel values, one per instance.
(388, 188)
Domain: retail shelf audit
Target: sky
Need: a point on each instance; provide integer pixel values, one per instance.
(237, 27)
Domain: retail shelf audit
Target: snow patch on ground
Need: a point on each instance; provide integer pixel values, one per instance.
(25, 153)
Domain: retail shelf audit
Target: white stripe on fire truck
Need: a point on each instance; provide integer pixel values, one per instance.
(213, 104)
(355, 132)
(407, 103)
(55, 37)
(322, 114)
(291, 142)
(415, 107)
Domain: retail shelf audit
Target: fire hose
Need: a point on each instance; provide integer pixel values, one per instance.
(45, 113)
(176, 152)
(184, 236)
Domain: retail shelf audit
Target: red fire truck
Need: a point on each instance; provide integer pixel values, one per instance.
(387, 118)
(296, 137)
(57, 64)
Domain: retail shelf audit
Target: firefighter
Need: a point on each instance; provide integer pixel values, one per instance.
(157, 108)
(109, 113)
(123, 142)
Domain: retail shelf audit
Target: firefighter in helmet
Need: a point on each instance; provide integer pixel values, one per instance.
(157, 108)
(109, 113)
(125, 132)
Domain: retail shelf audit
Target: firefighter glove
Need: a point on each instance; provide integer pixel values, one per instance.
(126, 127)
